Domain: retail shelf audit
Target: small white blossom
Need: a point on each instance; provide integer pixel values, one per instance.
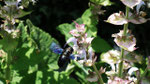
(132, 70)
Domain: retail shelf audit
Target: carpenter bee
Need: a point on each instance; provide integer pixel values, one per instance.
(65, 54)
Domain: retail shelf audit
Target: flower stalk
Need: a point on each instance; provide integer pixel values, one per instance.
(122, 50)
(8, 70)
(98, 74)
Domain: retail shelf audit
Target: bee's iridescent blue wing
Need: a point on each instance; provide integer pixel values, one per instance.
(56, 48)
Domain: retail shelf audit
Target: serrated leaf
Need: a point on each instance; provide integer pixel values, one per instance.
(43, 41)
(100, 45)
(34, 48)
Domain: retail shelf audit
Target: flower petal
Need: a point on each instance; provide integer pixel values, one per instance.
(117, 19)
(72, 39)
(74, 32)
(80, 27)
(131, 3)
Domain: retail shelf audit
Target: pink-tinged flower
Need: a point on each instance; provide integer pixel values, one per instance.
(127, 42)
(131, 3)
(80, 27)
(117, 19)
(75, 33)
(117, 80)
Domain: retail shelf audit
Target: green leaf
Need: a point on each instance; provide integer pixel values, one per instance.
(90, 21)
(16, 78)
(65, 29)
(100, 45)
(8, 43)
(39, 76)
(81, 67)
(34, 49)
(23, 13)
(43, 41)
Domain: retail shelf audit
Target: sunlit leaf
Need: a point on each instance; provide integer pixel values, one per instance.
(90, 21)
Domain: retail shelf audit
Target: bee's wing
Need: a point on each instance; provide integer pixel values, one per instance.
(56, 48)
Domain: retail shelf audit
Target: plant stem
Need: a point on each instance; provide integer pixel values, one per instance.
(122, 50)
(98, 74)
(121, 64)
(8, 71)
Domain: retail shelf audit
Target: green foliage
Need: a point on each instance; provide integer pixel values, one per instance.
(100, 45)
(32, 54)
(88, 18)
(65, 28)
(8, 45)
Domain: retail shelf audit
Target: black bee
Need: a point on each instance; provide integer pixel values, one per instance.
(64, 58)
(65, 54)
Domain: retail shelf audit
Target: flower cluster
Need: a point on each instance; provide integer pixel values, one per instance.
(11, 11)
(81, 44)
(135, 18)
(122, 62)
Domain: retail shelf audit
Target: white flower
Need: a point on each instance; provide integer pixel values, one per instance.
(89, 40)
(132, 70)
(72, 39)
(89, 62)
(82, 53)
(91, 53)
(111, 57)
(117, 19)
(127, 42)
(131, 3)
